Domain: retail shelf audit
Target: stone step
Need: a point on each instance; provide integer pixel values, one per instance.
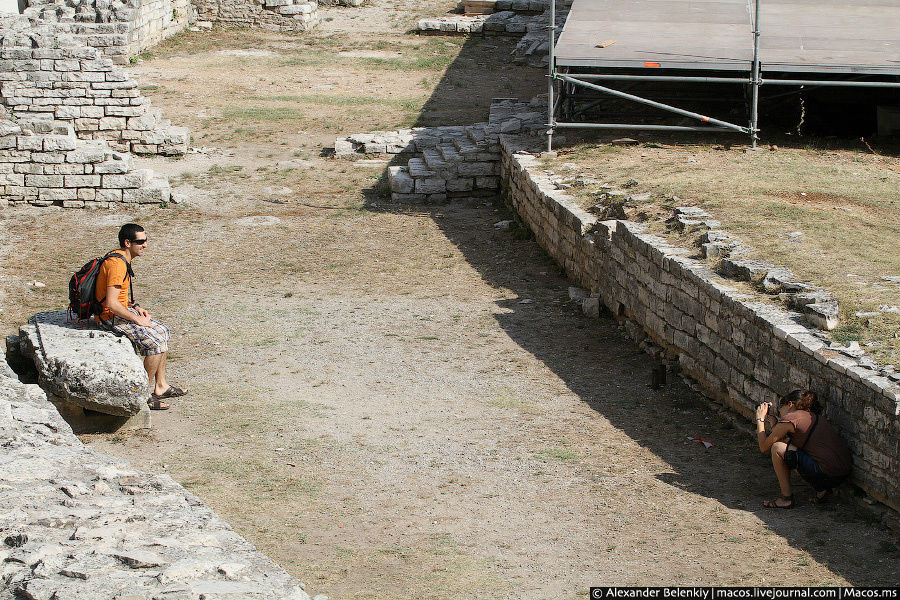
(418, 168)
(476, 134)
(434, 160)
(449, 153)
(467, 149)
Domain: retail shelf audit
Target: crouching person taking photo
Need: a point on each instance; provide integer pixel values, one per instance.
(802, 440)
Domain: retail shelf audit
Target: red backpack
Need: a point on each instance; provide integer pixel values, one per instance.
(82, 288)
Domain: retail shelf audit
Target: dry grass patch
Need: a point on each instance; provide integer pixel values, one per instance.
(844, 202)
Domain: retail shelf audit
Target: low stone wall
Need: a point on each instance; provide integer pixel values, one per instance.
(46, 73)
(296, 15)
(44, 164)
(79, 524)
(740, 352)
(118, 28)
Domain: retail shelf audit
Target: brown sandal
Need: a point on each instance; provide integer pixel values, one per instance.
(821, 498)
(774, 502)
(156, 404)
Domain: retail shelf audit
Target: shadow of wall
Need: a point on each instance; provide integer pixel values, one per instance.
(599, 364)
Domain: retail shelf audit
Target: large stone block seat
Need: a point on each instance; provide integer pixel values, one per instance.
(95, 378)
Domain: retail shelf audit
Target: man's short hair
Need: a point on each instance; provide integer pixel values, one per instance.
(128, 232)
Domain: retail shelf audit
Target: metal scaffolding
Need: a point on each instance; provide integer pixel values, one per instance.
(567, 81)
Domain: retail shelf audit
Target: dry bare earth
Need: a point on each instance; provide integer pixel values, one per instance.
(403, 403)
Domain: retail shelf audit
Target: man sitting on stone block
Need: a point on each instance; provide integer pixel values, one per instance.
(124, 317)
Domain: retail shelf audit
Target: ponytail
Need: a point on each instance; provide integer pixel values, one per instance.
(806, 400)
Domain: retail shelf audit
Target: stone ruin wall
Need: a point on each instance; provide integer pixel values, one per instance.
(118, 28)
(297, 15)
(740, 352)
(46, 73)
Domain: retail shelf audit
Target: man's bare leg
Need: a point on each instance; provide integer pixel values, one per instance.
(161, 384)
(155, 364)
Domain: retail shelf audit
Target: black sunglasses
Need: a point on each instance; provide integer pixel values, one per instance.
(139, 242)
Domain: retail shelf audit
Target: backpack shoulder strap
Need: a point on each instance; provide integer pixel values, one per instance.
(127, 270)
(811, 429)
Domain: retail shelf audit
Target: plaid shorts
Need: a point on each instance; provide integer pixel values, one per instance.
(147, 341)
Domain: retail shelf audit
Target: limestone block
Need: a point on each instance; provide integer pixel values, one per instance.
(277, 3)
(824, 315)
(54, 195)
(430, 186)
(119, 163)
(29, 142)
(487, 183)
(745, 269)
(44, 181)
(296, 9)
(81, 181)
(60, 142)
(147, 195)
(408, 198)
(475, 169)
(106, 195)
(113, 123)
(460, 185)
(88, 153)
(401, 181)
(92, 369)
(134, 179)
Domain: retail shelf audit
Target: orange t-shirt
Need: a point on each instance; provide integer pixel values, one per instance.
(112, 272)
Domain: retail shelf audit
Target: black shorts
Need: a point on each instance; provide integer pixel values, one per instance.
(810, 470)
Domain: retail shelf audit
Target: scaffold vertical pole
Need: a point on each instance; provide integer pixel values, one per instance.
(754, 103)
(550, 68)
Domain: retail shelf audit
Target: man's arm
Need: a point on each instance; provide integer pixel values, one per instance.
(112, 303)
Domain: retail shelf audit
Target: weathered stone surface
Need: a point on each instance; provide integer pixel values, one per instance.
(823, 315)
(745, 269)
(80, 524)
(89, 368)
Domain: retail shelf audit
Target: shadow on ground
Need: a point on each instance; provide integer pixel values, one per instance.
(592, 357)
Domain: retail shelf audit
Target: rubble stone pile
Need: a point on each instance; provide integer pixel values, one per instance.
(448, 162)
(527, 18)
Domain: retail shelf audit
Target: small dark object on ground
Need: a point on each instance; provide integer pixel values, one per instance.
(658, 377)
(16, 540)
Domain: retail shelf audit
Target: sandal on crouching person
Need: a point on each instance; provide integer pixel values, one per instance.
(821, 497)
(780, 502)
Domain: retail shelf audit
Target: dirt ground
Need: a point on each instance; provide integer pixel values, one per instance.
(402, 403)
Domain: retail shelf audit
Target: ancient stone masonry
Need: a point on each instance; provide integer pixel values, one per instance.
(47, 76)
(297, 15)
(447, 162)
(79, 524)
(738, 350)
(118, 28)
(45, 73)
(44, 164)
(527, 18)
